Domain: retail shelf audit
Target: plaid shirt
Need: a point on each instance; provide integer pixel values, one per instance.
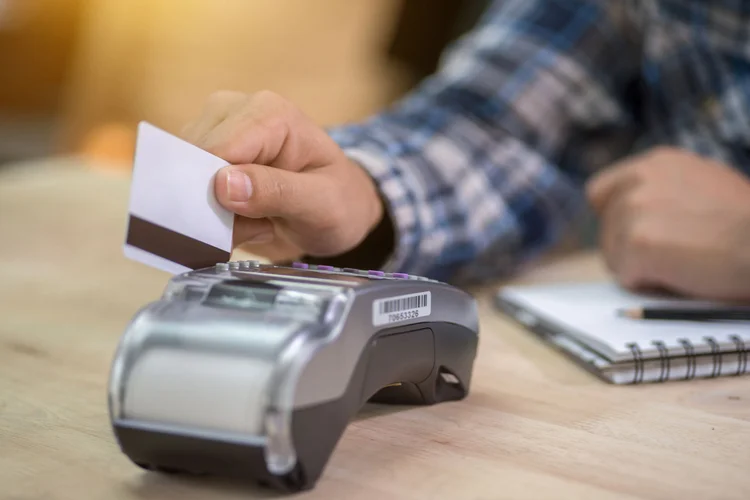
(482, 166)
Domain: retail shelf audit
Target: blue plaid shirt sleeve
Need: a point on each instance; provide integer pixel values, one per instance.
(473, 164)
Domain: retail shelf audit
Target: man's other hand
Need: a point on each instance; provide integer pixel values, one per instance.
(293, 190)
(676, 221)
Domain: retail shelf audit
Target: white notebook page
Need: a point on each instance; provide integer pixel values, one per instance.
(588, 312)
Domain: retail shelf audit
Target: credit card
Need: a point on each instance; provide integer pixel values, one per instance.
(175, 222)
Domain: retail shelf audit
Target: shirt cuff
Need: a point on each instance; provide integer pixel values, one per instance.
(399, 204)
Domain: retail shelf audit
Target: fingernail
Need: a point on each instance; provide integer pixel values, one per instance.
(239, 187)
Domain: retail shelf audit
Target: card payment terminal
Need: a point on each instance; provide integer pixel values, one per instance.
(254, 370)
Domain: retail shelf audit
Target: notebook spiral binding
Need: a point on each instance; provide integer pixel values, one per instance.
(638, 360)
(717, 357)
(690, 355)
(663, 359)
(742, 353)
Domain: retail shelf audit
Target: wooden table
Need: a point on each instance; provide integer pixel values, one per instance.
(535, 426)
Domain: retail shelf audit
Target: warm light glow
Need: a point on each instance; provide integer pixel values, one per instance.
(110, 146)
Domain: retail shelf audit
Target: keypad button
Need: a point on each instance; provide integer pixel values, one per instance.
(326, 268)
(400, 276)
(222, 266)
(379, 274)
(300, 265)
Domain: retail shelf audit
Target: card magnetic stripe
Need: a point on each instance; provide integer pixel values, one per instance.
(173, 246)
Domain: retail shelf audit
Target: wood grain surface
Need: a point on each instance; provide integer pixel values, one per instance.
(535, 425)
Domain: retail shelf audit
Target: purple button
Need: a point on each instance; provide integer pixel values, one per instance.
(300, 265)
(401, 276)
(376, 273)
(325, 268)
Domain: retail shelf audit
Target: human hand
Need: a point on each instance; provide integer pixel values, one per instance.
(293, 190)
(676, 221)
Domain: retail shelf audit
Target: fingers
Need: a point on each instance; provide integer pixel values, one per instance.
(660, 164)
(252, 231)
(616, 196)
(611, 183)
(217, 109)
(278, 249)
(630, 240)
(613, 234)
(259, 237)
(262, 129)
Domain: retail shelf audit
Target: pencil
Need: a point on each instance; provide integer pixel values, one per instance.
(689, 314)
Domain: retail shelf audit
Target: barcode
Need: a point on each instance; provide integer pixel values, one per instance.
(405, 303)
(401, 308)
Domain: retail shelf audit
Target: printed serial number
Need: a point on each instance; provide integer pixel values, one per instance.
(402, 316)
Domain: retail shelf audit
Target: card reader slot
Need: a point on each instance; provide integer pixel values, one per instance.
(406, 359)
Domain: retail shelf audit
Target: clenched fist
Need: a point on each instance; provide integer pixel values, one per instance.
(293, 190)
(676, 221)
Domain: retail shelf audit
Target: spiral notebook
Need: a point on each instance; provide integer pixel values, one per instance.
(581, 319)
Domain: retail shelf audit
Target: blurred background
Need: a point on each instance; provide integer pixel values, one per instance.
(76, 76)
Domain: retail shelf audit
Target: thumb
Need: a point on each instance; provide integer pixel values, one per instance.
(258, 191)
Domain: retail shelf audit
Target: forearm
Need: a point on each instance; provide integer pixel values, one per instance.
(470, 164)
(464, 220)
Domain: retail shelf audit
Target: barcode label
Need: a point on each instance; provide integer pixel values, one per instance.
(401, 308)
